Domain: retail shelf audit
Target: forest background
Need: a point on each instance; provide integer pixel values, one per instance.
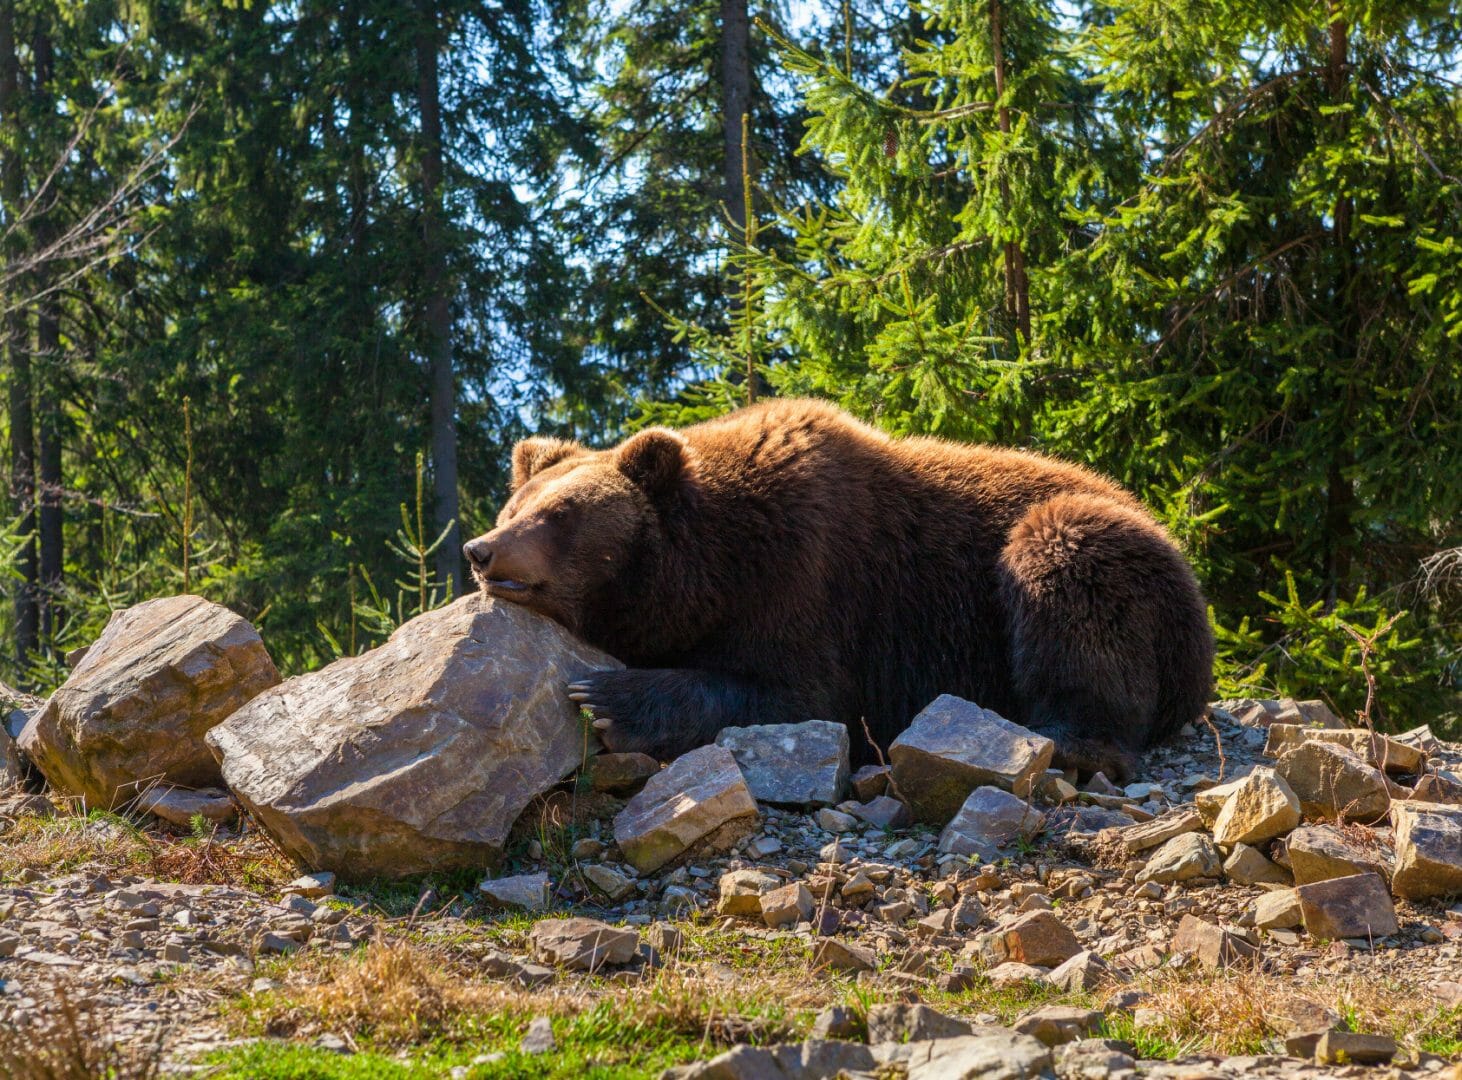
(282, 282)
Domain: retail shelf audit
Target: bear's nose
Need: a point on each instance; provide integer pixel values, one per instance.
(477, 551)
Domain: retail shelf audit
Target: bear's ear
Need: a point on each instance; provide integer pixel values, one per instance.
(654, 459)
(532, 456)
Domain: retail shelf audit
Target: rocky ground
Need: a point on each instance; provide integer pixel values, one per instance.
(1152, 930)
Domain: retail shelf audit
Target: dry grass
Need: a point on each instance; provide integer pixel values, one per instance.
(1235, 1013)
(398, 993)
(67, 1041)
(73, 841)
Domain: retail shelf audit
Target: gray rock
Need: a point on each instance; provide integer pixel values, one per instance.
(180, 806)
(990, 819)
(1008, 1056)
(843, 955)
(1211, 945)
(538, 1039)
(1428, 850)
(136, 710)
(1037, 938)
(815, 1059)
(621, 774)
(1055, 1025)
(1190, 855)
(699, 801)
(791, 764)
(953, 747)
(869, 782)
(1354, 1048)
(897, 1022)
(420, 754)
(1084, 971)
(883, 812)
(582, 944)
(1358, 906)
(311, 886)
(609, 881)
(527, 892)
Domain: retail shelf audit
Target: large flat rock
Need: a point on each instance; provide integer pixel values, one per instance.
(953, 747)
(137, 707)
(699, 801)
(420, 754)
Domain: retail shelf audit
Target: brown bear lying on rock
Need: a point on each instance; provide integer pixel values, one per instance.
(787, 562)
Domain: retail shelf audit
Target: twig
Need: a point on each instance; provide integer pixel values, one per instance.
(1217, 741)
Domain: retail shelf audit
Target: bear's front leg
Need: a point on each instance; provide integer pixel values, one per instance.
(664, 712)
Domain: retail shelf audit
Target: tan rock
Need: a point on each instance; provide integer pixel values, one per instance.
(1084, 971)
(1358, 906)
(788, 905)
(138, 706)
(1212, 946)
(1210, 801)
(1191, 855)
(1428, 850)
(621, 774)
(1249, 866)
(699, 801)
(740, 892)
(1056, 1025)
(419, 754)
(1333, 783)
(1387, 754)
(1261, 807)
(1038, 938)
(953, 747)
(840, 955)
(1437, 789)
(1149, 834)
(1319, 852)
(1277, 910)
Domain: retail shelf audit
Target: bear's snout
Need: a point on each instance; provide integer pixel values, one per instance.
(478, 552)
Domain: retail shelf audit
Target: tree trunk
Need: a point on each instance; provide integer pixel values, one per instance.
(735, 102)
(47, 393)
(22, 423)
(438, 314)
(1017, 287)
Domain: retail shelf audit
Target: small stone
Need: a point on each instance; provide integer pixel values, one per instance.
(900, 1023)
(1084, 971)
(529, 892)
(835, 821)
(1248, 866)
(312, 886)
(1212, 946)
(787, 905)
(539, 1037)
(791, 764)
(174, 953)
(842, 955)
(1038, 938)
(1354, 1048)
(954, 746)
(1358, 906)
(700, 800)
(869, 782)
(665, 939)
(1159, 830)
(621, 774)
(1277, 910)
(1333, 783)
(837, 1021)
(1190, 855)
(1261, 807)
(740, 892)
(1428, 850)
(883, 812)
(1013, 973)
(1055, 1025)
(181, 806)
(857, 888)
(609, 881)
(587, 848)
(582, 944)
(989, 819)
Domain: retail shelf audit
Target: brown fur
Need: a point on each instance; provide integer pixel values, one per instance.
(787, 562)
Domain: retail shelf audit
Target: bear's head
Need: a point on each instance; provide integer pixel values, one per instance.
(577, 520)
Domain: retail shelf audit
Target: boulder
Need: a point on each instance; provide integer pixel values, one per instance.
(420, 754)
(953, 747)
(1320, 852)
(1190, 855)
(1354, 1048)
(1210, 801)
(1428, 850)
(137, 708)
(1358, 906)
(582, 944)
(1333, 783)
(791, 764)
(1390, 755)
(1260, 807)
(990, 819)
(700, 800)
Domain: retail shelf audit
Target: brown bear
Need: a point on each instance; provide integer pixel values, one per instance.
(787, 562)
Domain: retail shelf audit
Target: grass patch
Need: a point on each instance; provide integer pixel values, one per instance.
(101, 841)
